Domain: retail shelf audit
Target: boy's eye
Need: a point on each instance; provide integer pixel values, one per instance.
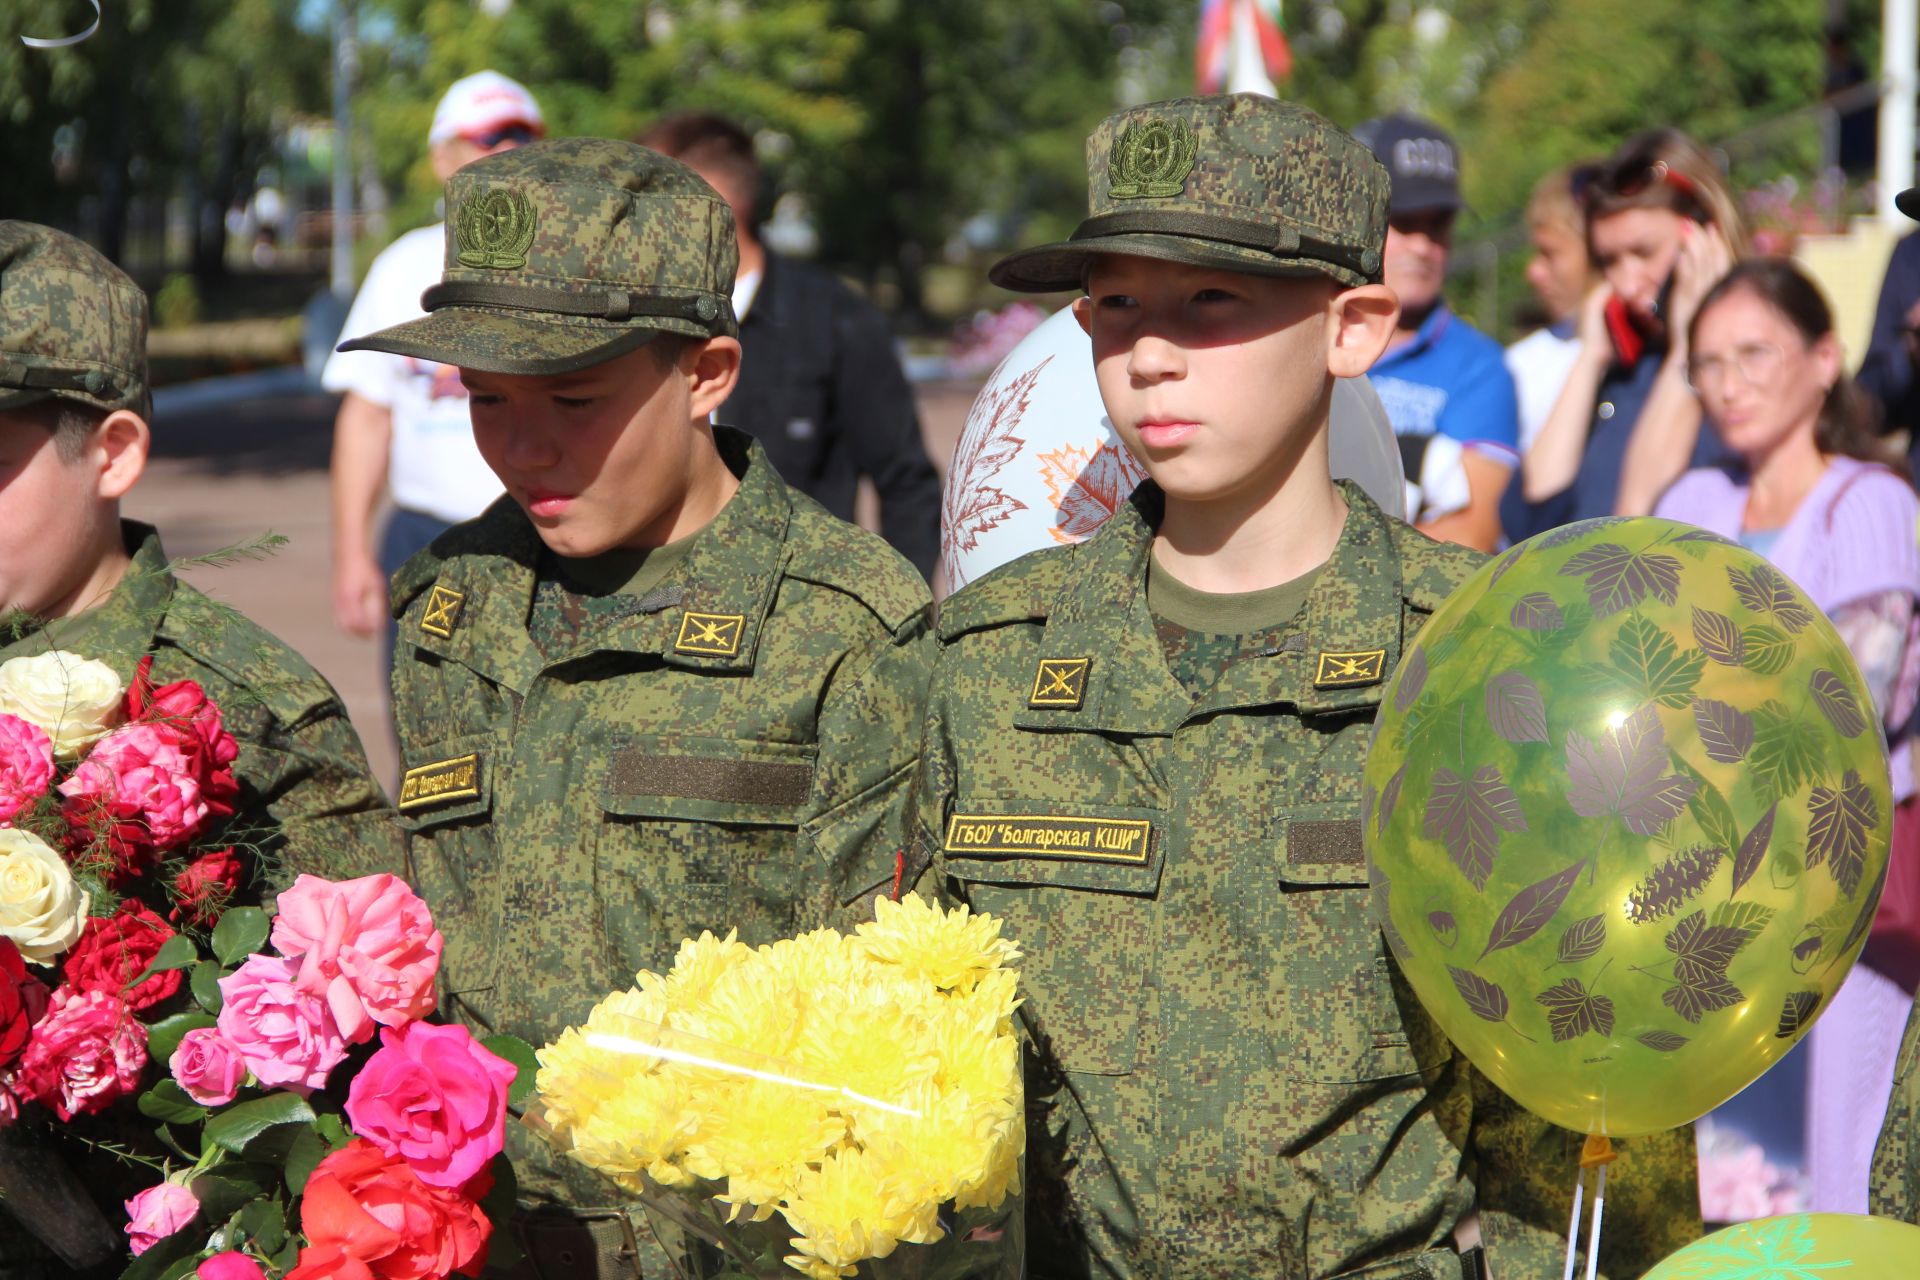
(482, 399)
(1113, 301)
(1212, 295)
(573, 402)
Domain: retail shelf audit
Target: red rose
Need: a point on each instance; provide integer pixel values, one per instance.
(113, 949)
(22, 1001)
(86, 1054)
(184, 707)
(201, 890)
(365, 1214)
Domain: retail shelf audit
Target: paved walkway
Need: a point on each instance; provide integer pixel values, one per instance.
(235, 459)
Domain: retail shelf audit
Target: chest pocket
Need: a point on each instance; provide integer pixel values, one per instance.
(702, 833)
(1335, 996)
(1075, 888)
(445, 806)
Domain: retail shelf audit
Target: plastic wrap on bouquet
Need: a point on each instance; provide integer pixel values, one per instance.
(830, 1105)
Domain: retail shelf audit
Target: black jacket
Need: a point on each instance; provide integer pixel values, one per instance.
(822, 390)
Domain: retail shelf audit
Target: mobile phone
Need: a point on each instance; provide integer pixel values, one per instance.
(1662, 299)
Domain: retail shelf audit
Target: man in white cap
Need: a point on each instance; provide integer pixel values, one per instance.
(403, 422)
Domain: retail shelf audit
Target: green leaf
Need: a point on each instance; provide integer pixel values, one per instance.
(164, 1036)
(265, 1222)
(164, 1132)
(169, 1102)
(499, 1206)
(331, 1127)
(241, 932)
(517, 1051)
(176, 952)
(205, 985)
(235, 1127)
(231, 1187)
(308, 1150)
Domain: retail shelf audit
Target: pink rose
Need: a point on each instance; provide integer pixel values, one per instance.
(85, 1054)
(138, 788)
(230, 1266)
(286, 1037)
(157, 1213)
(434, 1097)
(367, 945)
(9, 1106)
(207, 1067)
(26, 765)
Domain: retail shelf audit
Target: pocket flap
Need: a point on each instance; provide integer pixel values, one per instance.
(711, 780)
(1040, 842)
(1322, 844)
(447, 781)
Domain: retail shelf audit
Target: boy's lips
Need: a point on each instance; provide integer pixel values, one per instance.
(547, 503)
(1164, 433)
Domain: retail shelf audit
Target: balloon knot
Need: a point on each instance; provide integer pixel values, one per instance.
(1596, 1151)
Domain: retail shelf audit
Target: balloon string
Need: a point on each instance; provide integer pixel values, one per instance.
(1573, 1230)
(1593, 1235)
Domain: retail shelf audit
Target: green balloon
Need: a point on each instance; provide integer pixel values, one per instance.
(1801, 1246)
(1627, 820)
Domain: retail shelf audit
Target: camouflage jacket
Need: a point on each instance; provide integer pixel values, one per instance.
(308, 802)
(1229, 1075)
(1894, 1189)
(733, 753)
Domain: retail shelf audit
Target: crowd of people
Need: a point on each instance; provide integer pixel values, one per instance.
(645, 687)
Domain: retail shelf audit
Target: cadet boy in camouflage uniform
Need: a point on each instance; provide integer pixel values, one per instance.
(1144, 753)
(75, 576)
(652, 690)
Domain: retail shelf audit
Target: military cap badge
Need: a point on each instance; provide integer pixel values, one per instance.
(495, 230)
(1151, 158)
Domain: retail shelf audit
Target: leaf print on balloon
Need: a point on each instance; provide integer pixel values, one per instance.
(1746, 859)
(1785, 750)
(970, 506)
(1699, 543)
(1531, 909)
(1485, 998)
(1748, 916)
(1507, 562)
(1573, 1011)
(1515, 708)
(1718, 637)
(1536, 611)
(1468, 815)
(1087, 488)
(1762, 589)
(1653, 664)
(1382, 893)
(1412, 679)
(1838, 703)
(1664, 1041)
(1583, 939)
(1838, 833)
(1710, 809)
(1389, 799)
(1673, 883)
(1725, 730)
(1623, 774)
(1796, 1012)
(1768, 650)
(1619, 579)
(1701, 955)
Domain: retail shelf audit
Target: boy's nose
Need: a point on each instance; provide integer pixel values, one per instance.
(1154, 359)
(528, 449)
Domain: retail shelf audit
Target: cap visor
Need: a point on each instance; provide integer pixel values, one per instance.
(497, 342)
(21, 398)
(1053, 268)
(1908, 202)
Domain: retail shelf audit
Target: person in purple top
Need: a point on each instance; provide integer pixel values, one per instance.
(1444, 383)
(1811, 489)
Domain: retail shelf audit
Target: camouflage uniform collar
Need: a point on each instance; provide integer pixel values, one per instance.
(120, 630)
(730, 576)
(1336, 656)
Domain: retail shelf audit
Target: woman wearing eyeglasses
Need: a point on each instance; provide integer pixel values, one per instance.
(1662, 227)
(1811, 489)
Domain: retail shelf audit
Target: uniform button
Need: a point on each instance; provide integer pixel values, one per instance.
(1605, 410)
(706, 308)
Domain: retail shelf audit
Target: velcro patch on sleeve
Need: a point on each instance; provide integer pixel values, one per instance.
(769, 782)
(1126, 840)
(441, 782)
(1335, 842)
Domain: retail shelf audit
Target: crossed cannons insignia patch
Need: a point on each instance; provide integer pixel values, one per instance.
(1060, 682)
(710, 635)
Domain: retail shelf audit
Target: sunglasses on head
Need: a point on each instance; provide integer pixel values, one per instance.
(518, 134)
(1634, 178)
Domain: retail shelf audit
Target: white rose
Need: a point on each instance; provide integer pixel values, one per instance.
(42, 907)
(74, 699)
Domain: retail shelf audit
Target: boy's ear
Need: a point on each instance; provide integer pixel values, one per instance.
(1083, 312)
(118, 453)
(1362, 321)
(712, 369)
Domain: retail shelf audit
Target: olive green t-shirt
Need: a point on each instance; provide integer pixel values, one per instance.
(576, 596)
(1203, 632)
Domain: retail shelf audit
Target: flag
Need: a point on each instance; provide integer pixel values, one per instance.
(1241, 48)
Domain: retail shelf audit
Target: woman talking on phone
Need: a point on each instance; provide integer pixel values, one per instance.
(1662, 227)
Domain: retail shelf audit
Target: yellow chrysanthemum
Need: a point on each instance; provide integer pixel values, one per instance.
(950, 949)
(847, 1211)
(701, 961)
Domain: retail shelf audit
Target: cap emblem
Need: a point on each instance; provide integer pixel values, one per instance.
(496, 230)
(1152, 158)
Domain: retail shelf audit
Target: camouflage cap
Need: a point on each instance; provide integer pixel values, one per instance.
(566, 253)
(1239, 182)
(71, 323)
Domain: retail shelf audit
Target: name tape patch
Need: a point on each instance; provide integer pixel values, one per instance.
(1049, 836)
(1338, 670)
(710, 635)
(441, 782)
(1060, 682)
(443, 611)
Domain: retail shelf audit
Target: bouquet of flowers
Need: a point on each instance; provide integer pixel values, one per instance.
(864, 1088)
(144, 1015)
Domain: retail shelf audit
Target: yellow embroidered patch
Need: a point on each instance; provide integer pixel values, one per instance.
(443, 611)
(710, 635)
(1338, 670)
(1060, 682)
(440, 782)
(1051, 836)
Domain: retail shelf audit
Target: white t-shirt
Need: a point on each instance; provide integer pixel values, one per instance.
(1540, 363)
(434, 467)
